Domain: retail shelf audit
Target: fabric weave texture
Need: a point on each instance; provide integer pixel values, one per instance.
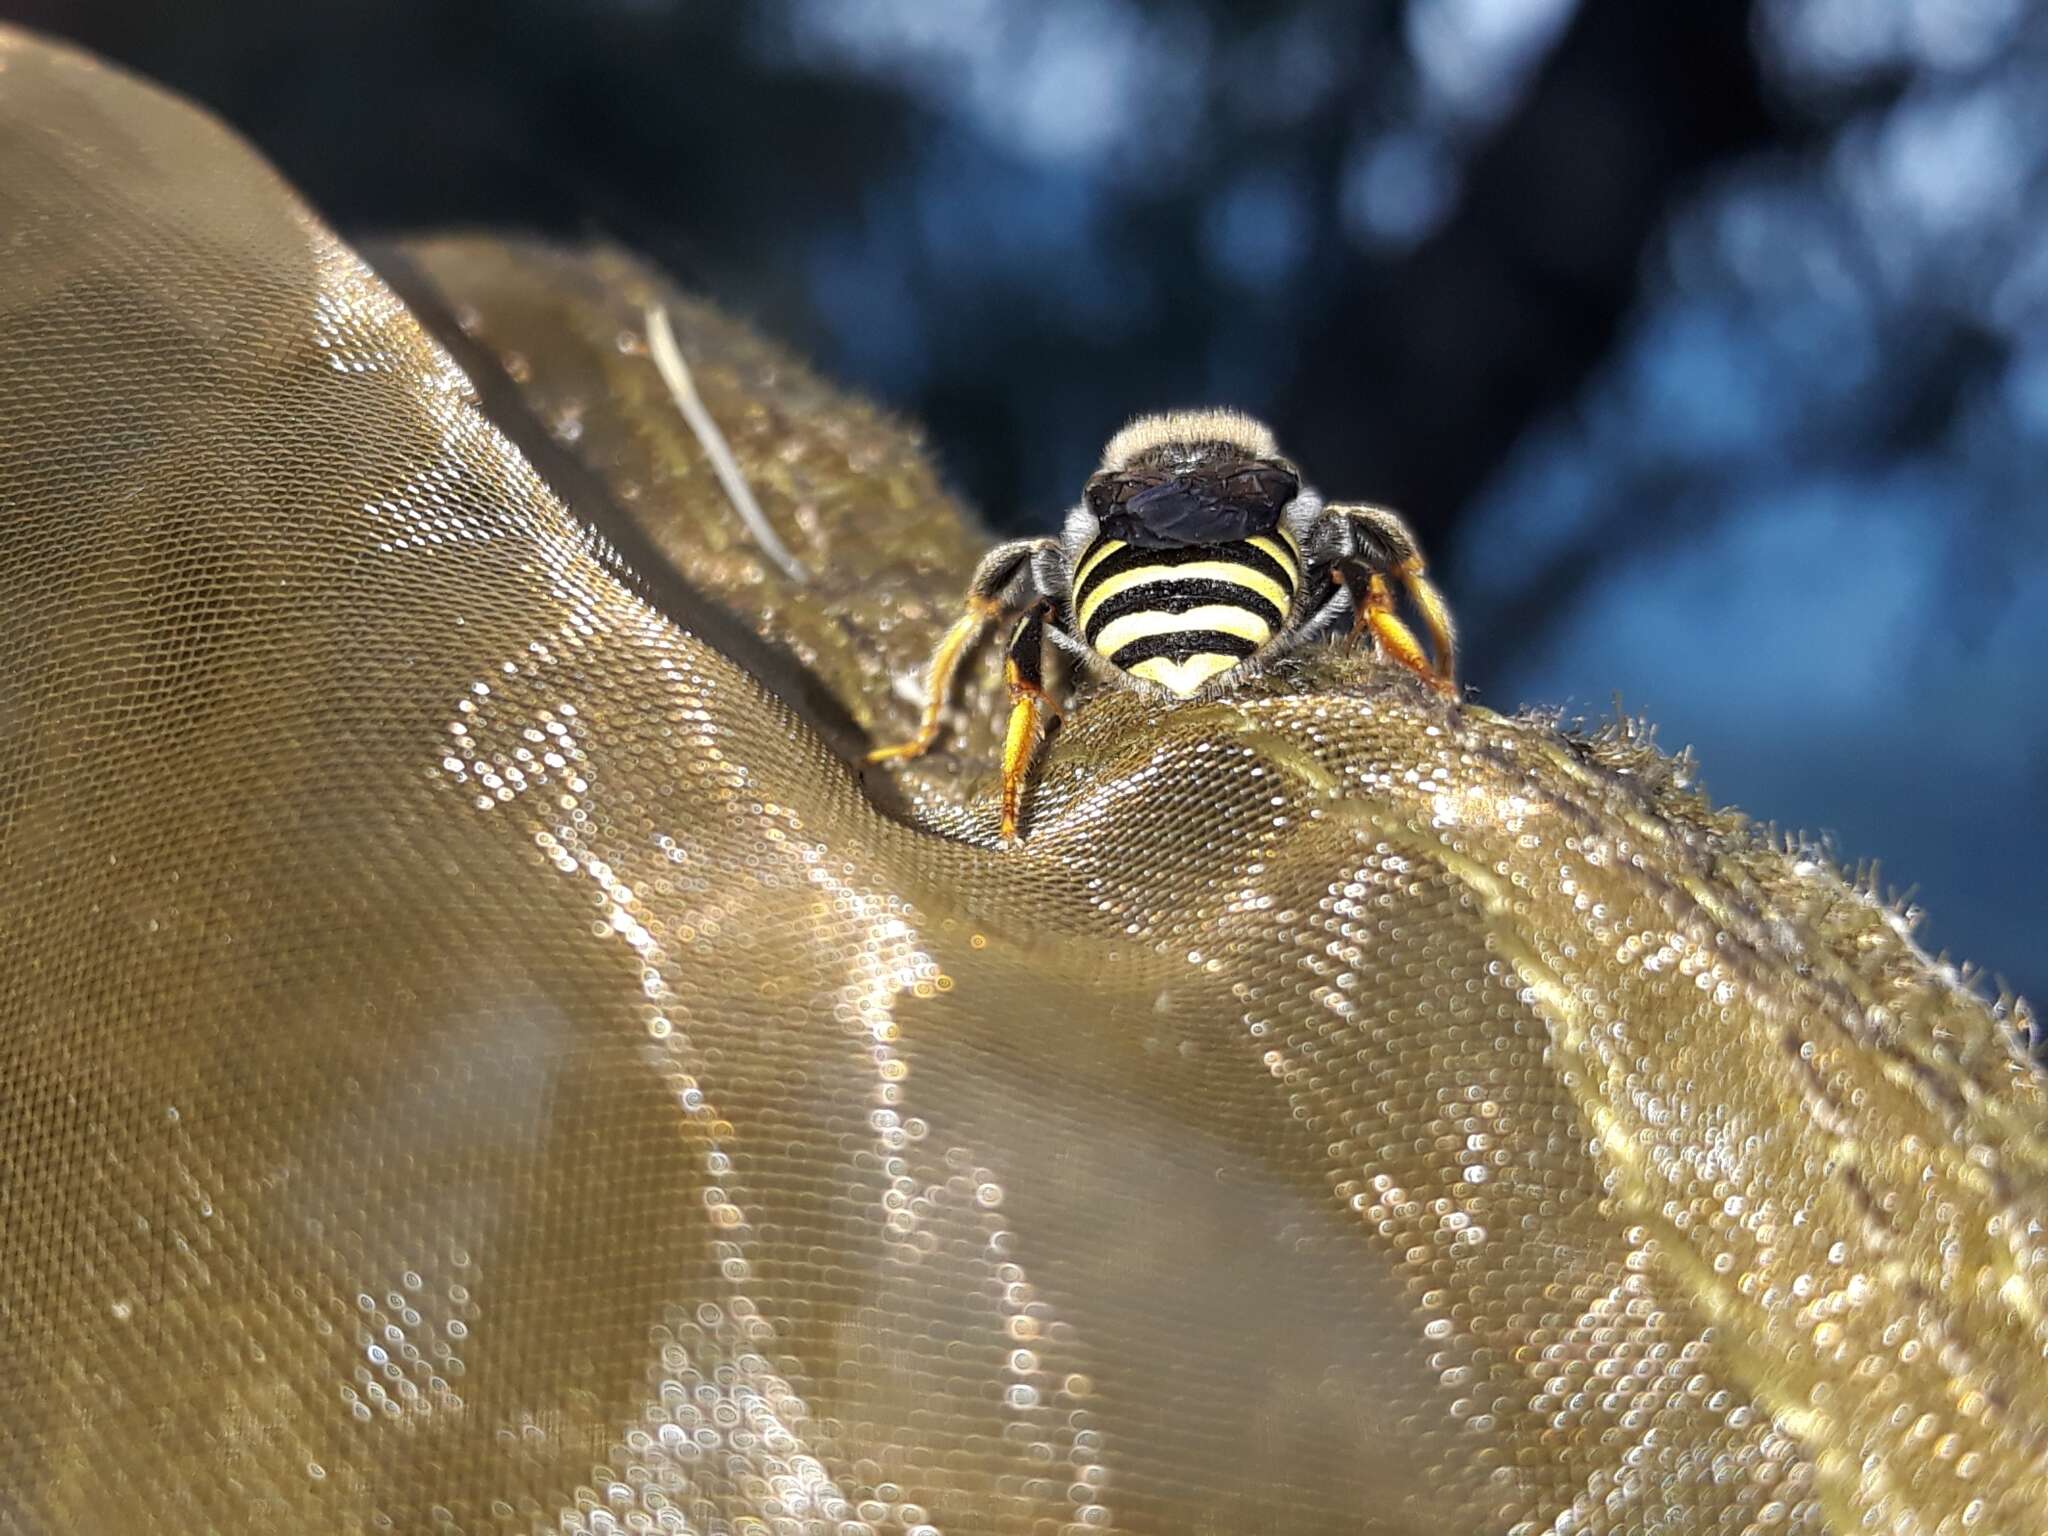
(477, 1055)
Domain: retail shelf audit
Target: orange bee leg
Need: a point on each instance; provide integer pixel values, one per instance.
(1373, 609)
(1031, 711)
(939, 679)
(989, 597)
(1436, 616)
(1387, 544)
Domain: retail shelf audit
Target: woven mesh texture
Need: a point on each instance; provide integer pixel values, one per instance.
(474, 1056)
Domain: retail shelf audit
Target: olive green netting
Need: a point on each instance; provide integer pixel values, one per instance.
(475, 1056)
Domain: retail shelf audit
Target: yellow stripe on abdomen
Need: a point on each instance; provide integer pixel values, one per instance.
(1094, 557)
(1281, 546)
(1218, 618)
(1181, 615)
(1232, 571)
(1183, 677)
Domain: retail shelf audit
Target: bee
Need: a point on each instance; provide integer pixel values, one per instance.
(1195, 557)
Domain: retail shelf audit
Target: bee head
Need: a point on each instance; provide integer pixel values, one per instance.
(1175, 440)
(1191, 477)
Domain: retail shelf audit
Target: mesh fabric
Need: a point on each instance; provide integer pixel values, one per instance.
(476, 1057)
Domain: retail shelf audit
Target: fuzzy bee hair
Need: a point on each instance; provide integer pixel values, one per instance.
(1152, 436)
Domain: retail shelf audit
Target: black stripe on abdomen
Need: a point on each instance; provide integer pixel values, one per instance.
(1236, 553)
(1169, 596)
(1180, 644)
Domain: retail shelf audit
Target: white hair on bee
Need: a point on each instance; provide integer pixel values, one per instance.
(1183, 429)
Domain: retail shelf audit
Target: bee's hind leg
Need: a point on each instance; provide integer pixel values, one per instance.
(991, 595)
(1031, 709)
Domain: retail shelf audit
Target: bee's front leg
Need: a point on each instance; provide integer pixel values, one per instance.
(1002, 584)
(1373, 610)
(1382, 545)
(1031, 708)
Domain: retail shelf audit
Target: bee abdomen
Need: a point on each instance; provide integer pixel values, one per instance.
(1178, 617)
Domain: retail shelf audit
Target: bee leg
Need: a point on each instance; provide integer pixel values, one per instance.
(1373, 609)
(939, 679)
(989, 598)
(1031, 709)
(1384, 533)
(1436, 616)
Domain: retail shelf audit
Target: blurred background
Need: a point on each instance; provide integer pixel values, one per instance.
(1706, 345)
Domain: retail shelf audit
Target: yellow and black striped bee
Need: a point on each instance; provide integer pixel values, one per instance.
(1195, 556)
